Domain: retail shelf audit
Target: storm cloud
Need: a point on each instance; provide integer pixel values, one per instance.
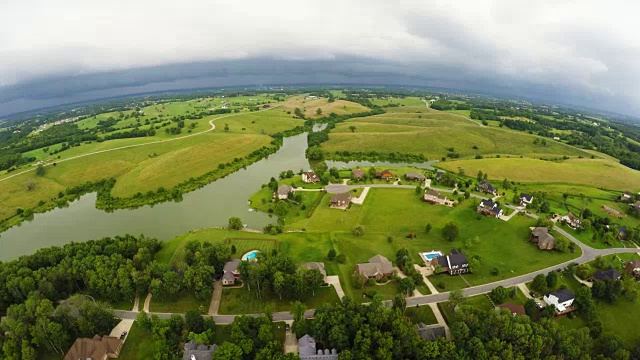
(578, 52)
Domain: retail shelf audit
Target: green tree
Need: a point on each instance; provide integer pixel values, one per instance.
(400, 303)
(450, 231)
(552, 279)
(235, 223)
(539, 283)
(428, 228)
(281, 208)
(40, 170)
(352, 128)
(358, 230)
(319, 112)
(332, 254)
(499, 294)
(406, 285)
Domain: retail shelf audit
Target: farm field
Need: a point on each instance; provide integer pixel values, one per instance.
(596, 172)
(432, 134)
(310, 107)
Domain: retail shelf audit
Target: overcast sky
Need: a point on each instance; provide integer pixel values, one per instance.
(580, 52)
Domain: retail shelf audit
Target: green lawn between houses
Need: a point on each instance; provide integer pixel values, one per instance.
(243, 301)
(139, 345)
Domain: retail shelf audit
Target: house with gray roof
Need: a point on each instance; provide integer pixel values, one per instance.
(431, 332)
(340, 201)
(316, 266)
(377, 268)
(541, 237)
(412, 175)
(487, 188)
(195, 351)
(231, 272)
(283, 191)
(489, 207)
(307, 350)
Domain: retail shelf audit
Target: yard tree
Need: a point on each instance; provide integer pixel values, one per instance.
(352, 128)
(467, 194)
(506, 184)
(319, 112)
(418, 190)
(450, 231)
(235, 223)
(562, 244)
(427, 229)
(548, 312)
(474, 264)
(456, 297)
(407, 285)
(313, 279)
(530, 308)
(278, 284)
(499, 294)
(334, 172)
(194, 322)
(400, 303)
(552, 279)
(40, 170)
(480, 175)
(402, 256)
(372, 172)
(332, 254)
(315, 153)
(539, 283)
(358, 230)
(281, 208)
(545, 207)
(584, 303)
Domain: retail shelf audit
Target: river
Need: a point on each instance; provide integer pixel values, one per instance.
(209, 206)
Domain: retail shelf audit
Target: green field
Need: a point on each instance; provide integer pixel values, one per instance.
(243, 301)
(180, 305)
(599, 173)
(139, 345)
(420, 314)
(431, 133)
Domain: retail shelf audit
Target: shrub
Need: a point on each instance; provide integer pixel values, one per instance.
(332, 254)
(358, 230)
(342, 259)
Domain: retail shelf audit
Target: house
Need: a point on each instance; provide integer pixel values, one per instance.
(414, 176)
(433, 197)
(455, 263)
(231, 273)
(195, 351)
(225, 106)
(309, 177)
(316, 266)
(283, 191)
(610, 274)
(377, 268)
(266, 106)
(487, 188)
(541, 237)
(439, 174)
(311, 97)
(387, 175)
(635, 206)
(561, 299)
(97, 348)
(525, 199)
(358, 174)
(626, 196)
(340, 201)
(571, 220)
(431, 332)
(490, 208)
(513, 308)
(622, 232)
(633, 268)
(307, 350)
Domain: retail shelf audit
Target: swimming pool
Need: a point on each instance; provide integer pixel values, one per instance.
(428, 256)
(250, 256)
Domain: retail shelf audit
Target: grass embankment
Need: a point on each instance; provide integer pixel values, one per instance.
(594, 172)
(431, 133)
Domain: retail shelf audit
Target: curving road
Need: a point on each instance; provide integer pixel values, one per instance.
(33, 168)
(588, 254)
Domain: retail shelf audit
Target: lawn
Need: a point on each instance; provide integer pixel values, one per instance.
(182, 304)
(420, 314)
(264, 201)
(223, 333)
(139, 345)
(595, 172)
(242, 301)
(397, 212)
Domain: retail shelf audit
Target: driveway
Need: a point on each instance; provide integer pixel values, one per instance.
(360, 199)
(215, 298)
(335, 281)
(440, 318)
(124, 325)
(337, 188)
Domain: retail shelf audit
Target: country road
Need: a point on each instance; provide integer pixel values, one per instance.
(33, 168)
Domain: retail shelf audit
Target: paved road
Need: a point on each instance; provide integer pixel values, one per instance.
(33, 168)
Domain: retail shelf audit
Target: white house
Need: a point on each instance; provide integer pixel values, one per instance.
(309, 177)
(571, 220)
(525, 199)
(283, 191)
(561, 299)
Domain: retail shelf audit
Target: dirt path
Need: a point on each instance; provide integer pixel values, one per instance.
(135, 145)
(215, 298)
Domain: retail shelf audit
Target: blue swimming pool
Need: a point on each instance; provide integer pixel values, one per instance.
(251, 255)
(428, 256)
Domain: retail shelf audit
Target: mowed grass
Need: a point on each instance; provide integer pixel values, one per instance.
(139, 345)
(596, 172)
(431, 133)
(183, 303)
(243, 301)
(397, 212)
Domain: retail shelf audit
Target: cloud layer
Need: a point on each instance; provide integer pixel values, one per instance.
(584, 52)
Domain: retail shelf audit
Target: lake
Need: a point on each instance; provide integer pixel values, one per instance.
(210, 206)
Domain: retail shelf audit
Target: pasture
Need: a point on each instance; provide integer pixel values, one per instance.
(595, 172)
(310, 107)
(433, 134)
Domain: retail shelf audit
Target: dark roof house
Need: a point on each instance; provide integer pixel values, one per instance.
(610, 274)
(431, 332)
(341, 200)
(485, 187)
(454, 263)
(195, 351)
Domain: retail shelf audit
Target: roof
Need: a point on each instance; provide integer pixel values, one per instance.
(431, 332)
(315, 266)
(414, 175)
(606, 274)
(526, 196)
(488, 203)
(378, 264)
(228, 276)
(385, 173)
(95, 348)
(432, 193)
(284, 189)
(487, 186)
(311, 174)
(457, 260)
(231, 265)
(358, 173)
(193, 350)
(636, 204)
(513, 308)
(562, 295)
(306, 345)
(634, 263)
(346, 197)
(572, 217)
